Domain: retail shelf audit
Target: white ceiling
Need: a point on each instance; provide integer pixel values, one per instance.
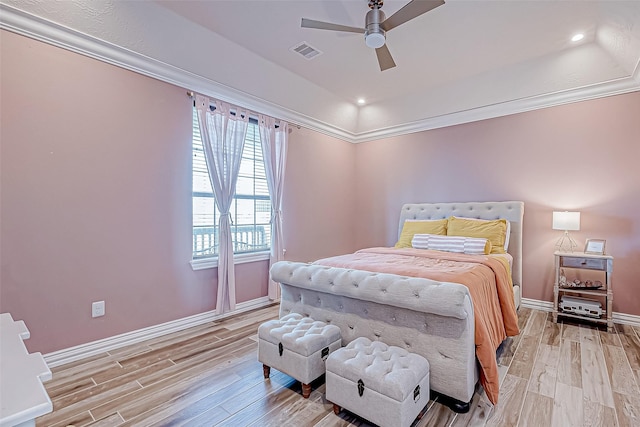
(456, 41)
(462, 61)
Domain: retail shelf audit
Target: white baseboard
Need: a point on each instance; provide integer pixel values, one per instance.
(536, 304)
(73, 354)
(628, 319)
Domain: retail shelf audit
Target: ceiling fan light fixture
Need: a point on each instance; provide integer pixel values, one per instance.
(376, 25)
(374, 40)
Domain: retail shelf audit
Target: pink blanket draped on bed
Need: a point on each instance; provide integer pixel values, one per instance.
(488, 280)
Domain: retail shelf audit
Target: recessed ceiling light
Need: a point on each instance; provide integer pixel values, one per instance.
(361, 101)
(577, 37)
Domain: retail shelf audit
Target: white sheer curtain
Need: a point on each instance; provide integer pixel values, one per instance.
(223, 136)
(274, 150)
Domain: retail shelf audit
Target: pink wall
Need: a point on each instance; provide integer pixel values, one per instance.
(96, 199)
(319, 197)
(96, 193)
(581, 156)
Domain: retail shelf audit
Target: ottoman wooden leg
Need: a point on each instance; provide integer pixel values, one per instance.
(266, 370)
(306, 390)
(336, 409)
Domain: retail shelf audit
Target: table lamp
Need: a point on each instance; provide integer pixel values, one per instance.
(566, 221)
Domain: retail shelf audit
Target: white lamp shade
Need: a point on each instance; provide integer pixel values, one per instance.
(568, 221)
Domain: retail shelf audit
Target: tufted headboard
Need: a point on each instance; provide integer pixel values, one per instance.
(512, 211)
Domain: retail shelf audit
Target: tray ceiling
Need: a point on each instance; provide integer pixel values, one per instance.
(465, 60)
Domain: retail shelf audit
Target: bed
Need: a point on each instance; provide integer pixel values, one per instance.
(432, 317)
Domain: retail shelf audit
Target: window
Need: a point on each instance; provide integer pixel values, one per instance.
(251, 207)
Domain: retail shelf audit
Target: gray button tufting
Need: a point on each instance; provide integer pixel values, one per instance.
(380, 367)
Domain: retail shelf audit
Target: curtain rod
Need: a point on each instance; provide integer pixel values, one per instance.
(192, 95)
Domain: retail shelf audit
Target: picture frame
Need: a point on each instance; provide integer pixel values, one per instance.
(594, 246)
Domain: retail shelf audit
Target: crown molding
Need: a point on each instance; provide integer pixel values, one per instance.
(23, 23)
(37, 28)
(585, 93)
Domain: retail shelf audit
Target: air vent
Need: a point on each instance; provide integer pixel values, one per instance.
(307, 51)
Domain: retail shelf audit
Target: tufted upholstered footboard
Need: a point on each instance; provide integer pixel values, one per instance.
(430, 318)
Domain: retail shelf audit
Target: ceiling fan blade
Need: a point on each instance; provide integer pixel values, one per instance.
(409, 11)
(384, 58)
(319, 25)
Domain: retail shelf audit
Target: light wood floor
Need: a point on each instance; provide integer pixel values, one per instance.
(552, 374)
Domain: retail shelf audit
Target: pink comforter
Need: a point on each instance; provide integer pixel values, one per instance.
(487, 278)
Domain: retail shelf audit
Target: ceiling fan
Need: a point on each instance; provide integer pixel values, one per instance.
(376, 25)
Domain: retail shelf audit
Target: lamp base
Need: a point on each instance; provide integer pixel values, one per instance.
(566, 243)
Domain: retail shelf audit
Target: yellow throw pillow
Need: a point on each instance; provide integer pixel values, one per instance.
(493, 230)
(420, 226)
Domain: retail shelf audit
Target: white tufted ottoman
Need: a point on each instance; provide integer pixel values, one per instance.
(297, 346)
(384, 384)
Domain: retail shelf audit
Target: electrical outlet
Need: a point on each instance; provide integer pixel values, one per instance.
(97, 309)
